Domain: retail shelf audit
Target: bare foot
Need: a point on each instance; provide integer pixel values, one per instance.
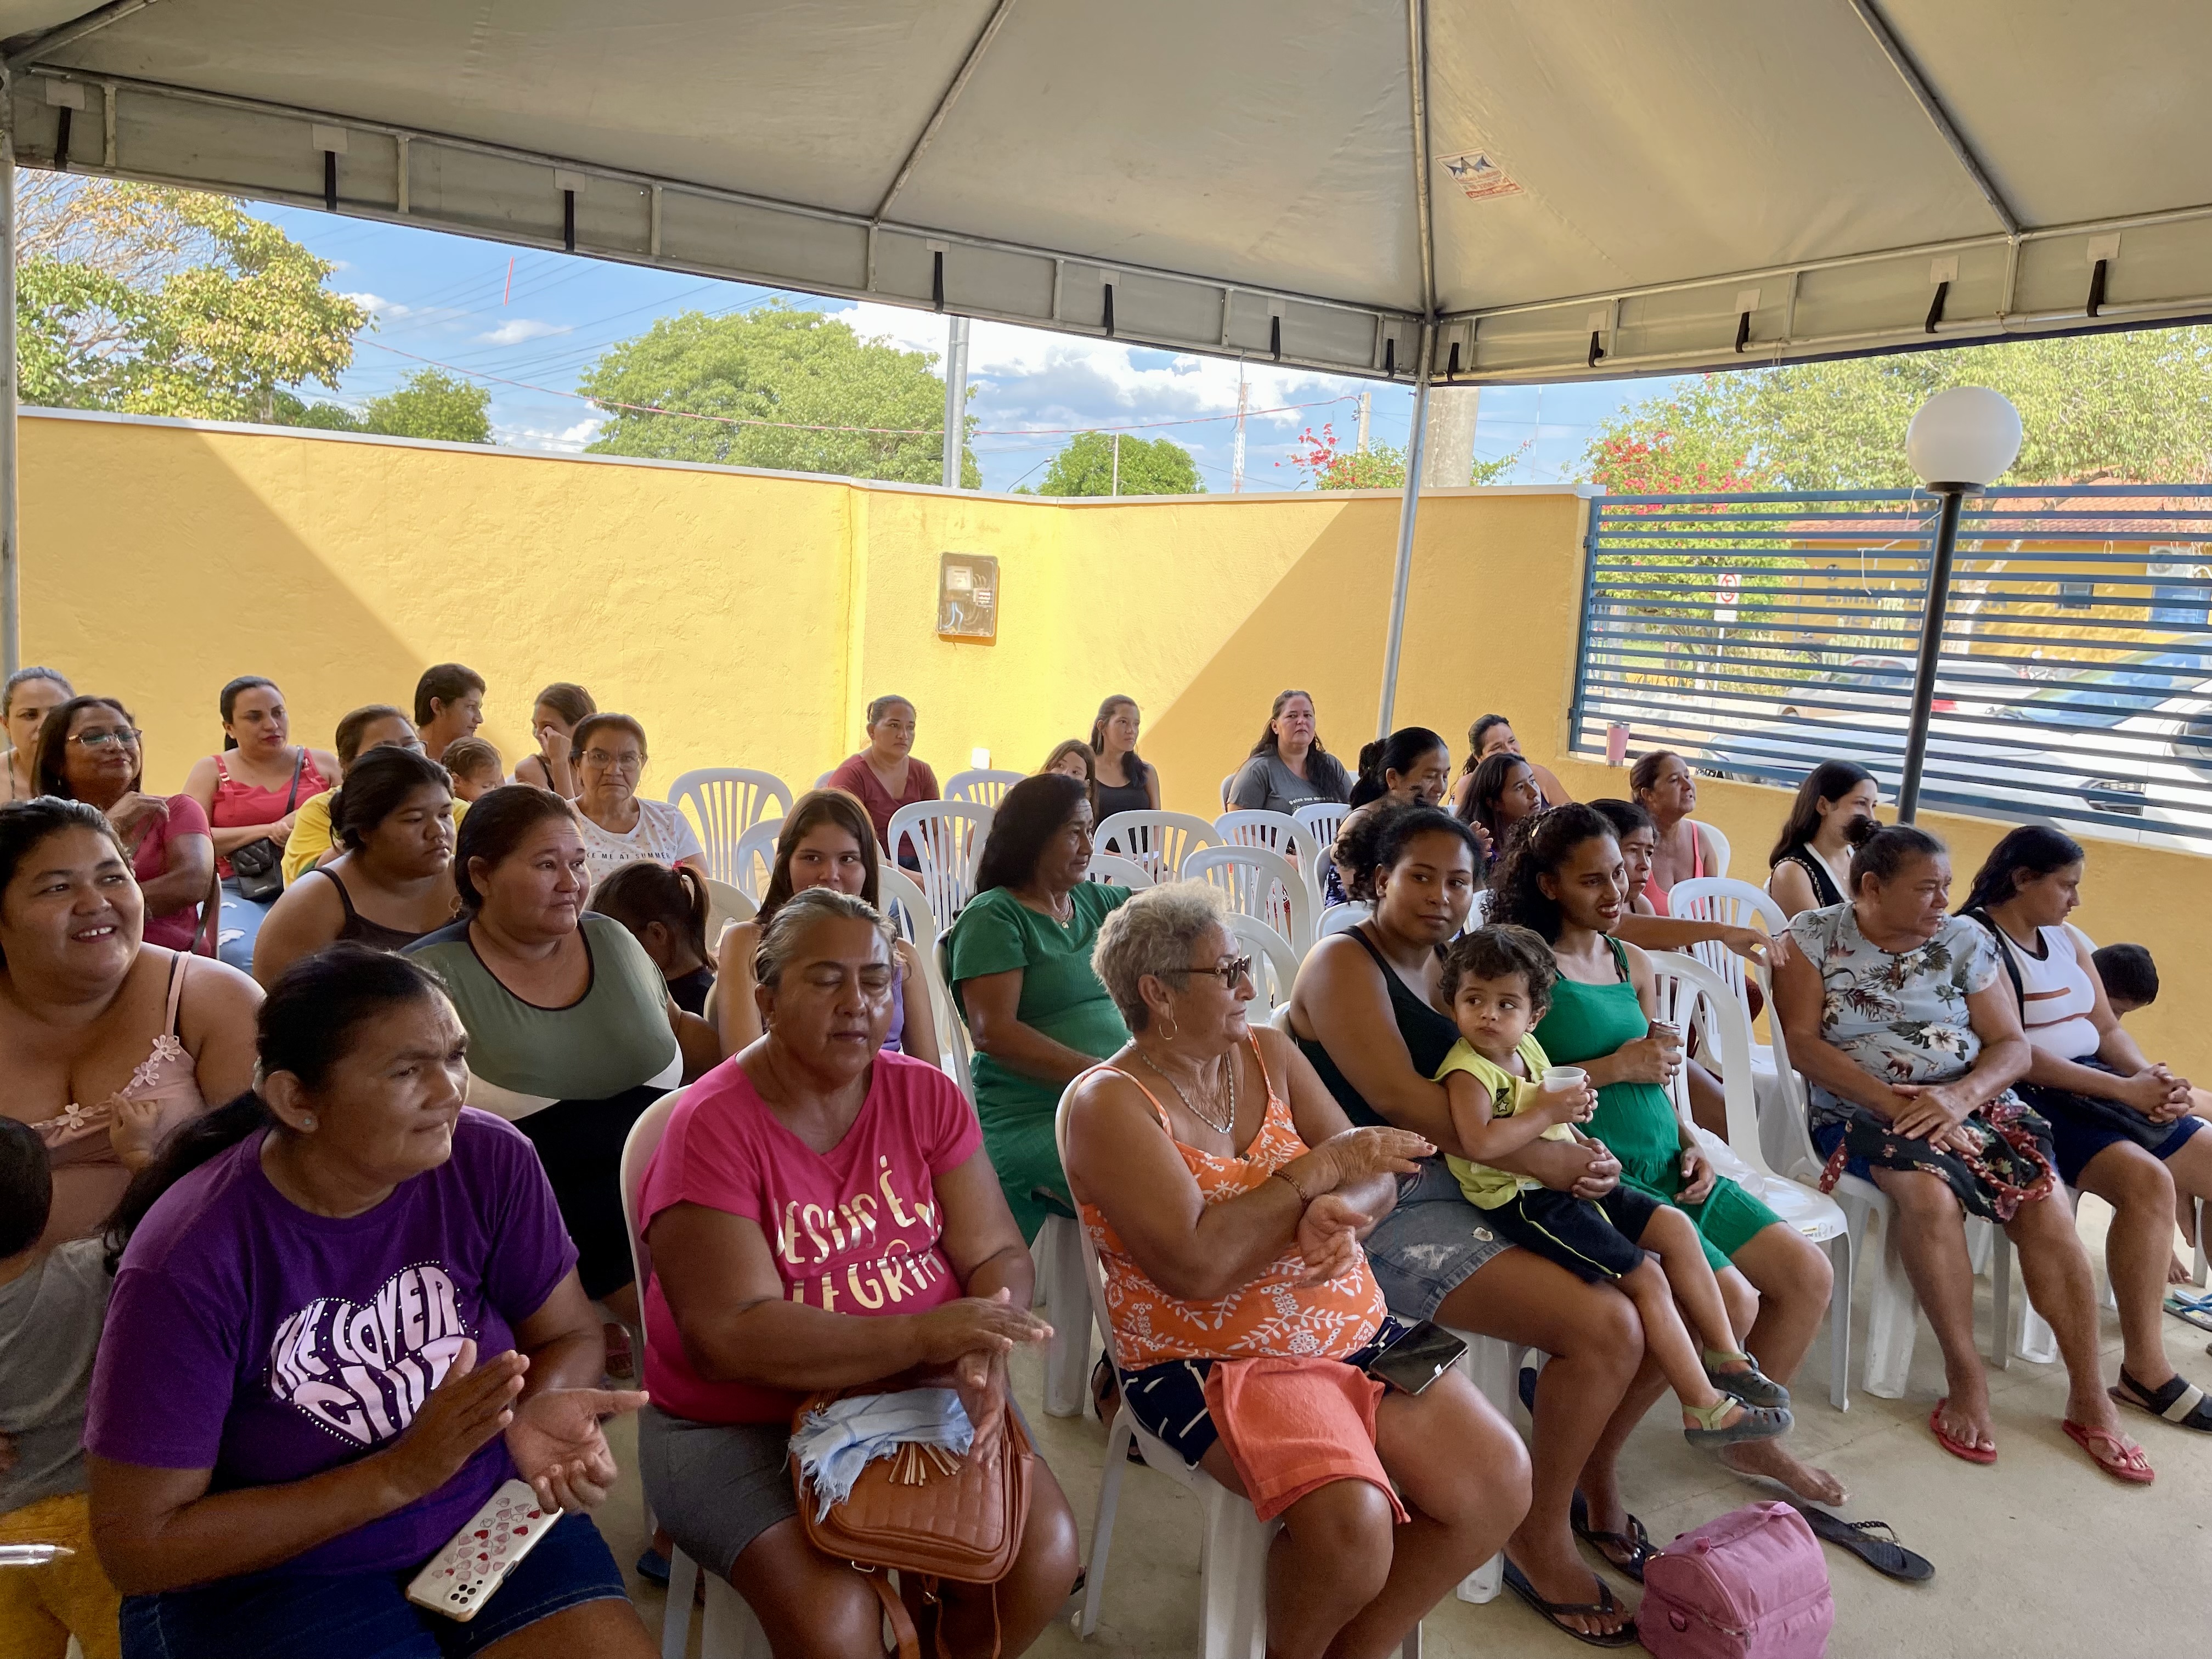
(2177, 1271)
(1558, 1575)
(1965, 1419)
(1772, 1460)
(2093, 1408)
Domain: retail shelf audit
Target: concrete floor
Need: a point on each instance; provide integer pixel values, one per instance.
(2039, 1554)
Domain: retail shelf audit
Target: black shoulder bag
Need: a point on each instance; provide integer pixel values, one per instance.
(258, 866)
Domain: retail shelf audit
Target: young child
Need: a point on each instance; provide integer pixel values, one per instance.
(2131, 979)
(50, 1306)
(475, 766)
(1498, 981)
(666, 910)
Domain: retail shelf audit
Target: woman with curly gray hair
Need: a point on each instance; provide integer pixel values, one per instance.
(1226, 1195)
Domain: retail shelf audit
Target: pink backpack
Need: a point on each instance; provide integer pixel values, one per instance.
(1752, 1584)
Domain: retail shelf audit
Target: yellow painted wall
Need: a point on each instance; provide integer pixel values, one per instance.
(747, 618)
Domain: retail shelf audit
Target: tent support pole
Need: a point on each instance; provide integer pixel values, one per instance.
(1931, 650)
(11, 619)
(1409, 507)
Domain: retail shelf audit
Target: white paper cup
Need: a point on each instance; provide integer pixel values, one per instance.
(1561, 1079)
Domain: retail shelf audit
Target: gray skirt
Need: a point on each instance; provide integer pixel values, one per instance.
(1429, 1244)
(715, 1486)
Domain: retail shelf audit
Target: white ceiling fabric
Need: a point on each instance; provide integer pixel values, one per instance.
(1667, 184)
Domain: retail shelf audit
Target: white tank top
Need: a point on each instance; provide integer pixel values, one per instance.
(2058, 994)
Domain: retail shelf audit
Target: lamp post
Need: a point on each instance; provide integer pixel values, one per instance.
(1961, 439)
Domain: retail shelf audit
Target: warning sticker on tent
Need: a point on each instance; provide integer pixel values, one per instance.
(1479, 177)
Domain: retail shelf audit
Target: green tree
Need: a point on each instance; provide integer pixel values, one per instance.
(1157, 466)
(819, 383)
(1331, 467)
(432, 405)
(159, 302)
(2100, 408)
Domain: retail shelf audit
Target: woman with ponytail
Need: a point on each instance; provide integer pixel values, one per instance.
(1121, 781)
(1412, 767)
(345, 1313)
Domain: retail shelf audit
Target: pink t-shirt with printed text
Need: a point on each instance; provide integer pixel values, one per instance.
(855, 1231)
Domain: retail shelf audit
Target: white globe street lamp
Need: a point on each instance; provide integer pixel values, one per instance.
(1961, 439)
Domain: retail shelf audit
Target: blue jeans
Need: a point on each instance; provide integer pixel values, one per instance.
(239, 926)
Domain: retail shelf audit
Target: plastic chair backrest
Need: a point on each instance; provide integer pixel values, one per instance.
(1275, 963)
(638, 1148)
(726, 801)
(1279, 832)
(981, 787)
(1342, 918)
(1120, 871)
(755, 858)
(1734, 903)
(1321, 820)
(822, 782)
(947, 839)
(724, 905)
(1159, 841)
(1093, 1275)
(1258, 883)
(1720, 848)
(1689, 992)
(959, 1048)
(1790, 1128)
(908, 907)
(1226, 784)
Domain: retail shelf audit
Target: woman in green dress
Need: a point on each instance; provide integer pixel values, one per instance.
(1565, 879)
(1020, 957)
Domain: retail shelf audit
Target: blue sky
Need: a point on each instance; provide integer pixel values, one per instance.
(528, 324)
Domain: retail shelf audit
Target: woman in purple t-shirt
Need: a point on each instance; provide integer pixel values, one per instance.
(345, 1313)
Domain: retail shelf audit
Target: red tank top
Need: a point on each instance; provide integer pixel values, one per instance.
(239, 805)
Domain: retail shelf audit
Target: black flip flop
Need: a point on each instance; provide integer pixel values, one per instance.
(1861, 1538)
(1604, 1607)
(1635, 1543)
(2181, 1402)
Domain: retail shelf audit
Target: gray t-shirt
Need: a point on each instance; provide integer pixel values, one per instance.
(49, 1328)
(1264, 784)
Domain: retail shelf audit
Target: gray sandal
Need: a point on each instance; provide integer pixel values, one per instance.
(1757, 1423)
(1752, 1386)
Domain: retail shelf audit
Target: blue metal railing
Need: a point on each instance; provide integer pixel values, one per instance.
(1759, 634)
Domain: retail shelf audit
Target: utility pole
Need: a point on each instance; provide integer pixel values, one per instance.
(1366, 405)
(955, 398)
(1236, 460)
(1448, 453)
(1116, 490)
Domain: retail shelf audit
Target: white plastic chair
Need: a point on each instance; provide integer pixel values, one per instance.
(1321, 820)
(981, 787)
(726, 801)
(947, 838)
(1157, 840)
(1732, 903)
(724, 905)
(1494, 1366)
(1226, 784)
(730, 1631)
(1232, 1590)
(1688, 990)
(1720, 848)
(755, 858)
(1343, 918)
(1261, 884)
(1118, 872)
(1279, 832)
(1275, 963)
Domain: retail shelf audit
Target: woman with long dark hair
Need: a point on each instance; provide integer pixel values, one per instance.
(1493, 734)
(1410, 768)
(1288, 767)
(1020, 967)
(665, 909)
(1662, 784)
(561, 707)
(2120, 1125)
(1833, 814)
(1123, 782)
(1503, 795)
(345, 1315)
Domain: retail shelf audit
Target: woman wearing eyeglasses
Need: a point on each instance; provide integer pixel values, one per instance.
(90, 750)
(619, 825)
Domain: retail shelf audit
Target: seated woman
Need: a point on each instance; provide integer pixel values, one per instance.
(106, 1044)
(1898, 1018)
(561, 707)
(1503, 794)
(374, 725)
(826, 842)
(30, 694)
(345, 1315)
(1411, 766)
(666, 910)
(885, 776)
(572, 1032)
(393, 885)
(90, 750)
(1288, 767)
(251, 793)
(1021, 974)
(1564, 880)
(1662, 784)
(754, 1300)
(2120, 1127)
(1811, 862)
(1493, 734)
(1227, 1195)
(619, 825)
(1366, 1015)
(1072, 756)
(1125, 783)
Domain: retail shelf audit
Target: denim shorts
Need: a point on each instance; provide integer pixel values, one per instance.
(1431, 1244)
(366, 1615)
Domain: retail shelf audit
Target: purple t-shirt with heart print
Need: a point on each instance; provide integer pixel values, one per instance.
(249, 1337)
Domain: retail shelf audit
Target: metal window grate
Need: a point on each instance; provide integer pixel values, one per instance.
(1761, 633)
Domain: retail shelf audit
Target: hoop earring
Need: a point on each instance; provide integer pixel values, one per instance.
(1169, 1035)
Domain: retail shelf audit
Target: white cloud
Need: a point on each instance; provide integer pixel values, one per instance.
(566, 440)
(521, 329)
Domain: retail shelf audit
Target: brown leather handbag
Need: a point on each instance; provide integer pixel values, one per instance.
(909, 1515)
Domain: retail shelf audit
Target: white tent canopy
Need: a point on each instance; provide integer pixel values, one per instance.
(1599, 188)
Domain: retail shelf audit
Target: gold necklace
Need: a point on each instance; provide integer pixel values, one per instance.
(1189, 1105)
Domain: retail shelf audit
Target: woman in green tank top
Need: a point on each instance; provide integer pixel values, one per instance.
(1565, 879)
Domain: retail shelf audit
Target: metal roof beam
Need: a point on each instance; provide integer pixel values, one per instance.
(1417, 65)
(1916, 83)
(75, 29)
(959, 85)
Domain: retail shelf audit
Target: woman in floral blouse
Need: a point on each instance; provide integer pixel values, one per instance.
(1897, 1015)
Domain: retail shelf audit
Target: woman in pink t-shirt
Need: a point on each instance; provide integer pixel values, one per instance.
(820, 1214)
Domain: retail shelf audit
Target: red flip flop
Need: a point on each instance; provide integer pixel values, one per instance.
(2123, 1459)
(1959, 1449)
